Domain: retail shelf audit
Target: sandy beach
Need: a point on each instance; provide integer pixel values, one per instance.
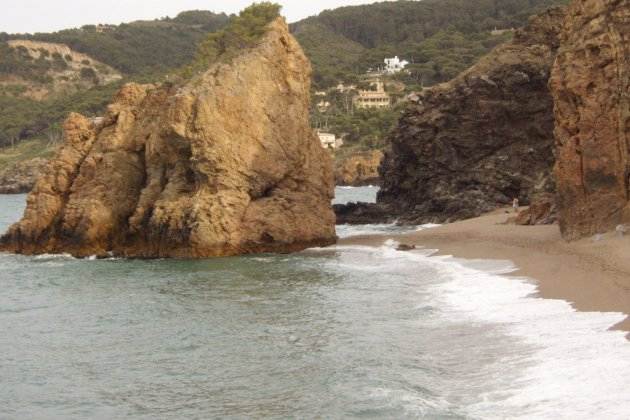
(593, 275)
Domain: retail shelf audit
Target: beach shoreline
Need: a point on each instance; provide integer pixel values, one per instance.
(592, 275)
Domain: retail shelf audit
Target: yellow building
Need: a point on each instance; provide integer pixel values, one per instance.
(373, 98)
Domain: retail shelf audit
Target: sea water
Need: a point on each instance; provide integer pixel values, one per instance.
(341, 332)
(368, 194)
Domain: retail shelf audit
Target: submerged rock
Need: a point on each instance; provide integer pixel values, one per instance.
(21, 177)
(226, 164)
(479, 141)
(405, 247)
(591, 88)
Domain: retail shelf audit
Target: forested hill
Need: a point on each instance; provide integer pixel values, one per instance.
(441, 37)
(80, 69)
(140, 47)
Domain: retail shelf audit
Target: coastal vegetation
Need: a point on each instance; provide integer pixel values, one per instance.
(141, 47)
(23, 118)
(362, 129)
(242, 32)
(440, 38)
(140, 51)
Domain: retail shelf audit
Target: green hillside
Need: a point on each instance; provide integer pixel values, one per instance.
(140, 51)
(440, 37)
(141, 47)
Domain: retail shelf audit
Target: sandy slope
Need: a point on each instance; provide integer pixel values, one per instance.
(592, 274)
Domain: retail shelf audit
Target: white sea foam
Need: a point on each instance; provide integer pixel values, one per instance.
(347, 231)
(579, 368)
(48, 257)
(428, 226)
(571, 364)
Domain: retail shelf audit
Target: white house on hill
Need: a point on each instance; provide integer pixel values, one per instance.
(329, 140)
(395, 65)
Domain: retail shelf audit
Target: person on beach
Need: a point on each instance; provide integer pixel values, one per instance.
(515, 205)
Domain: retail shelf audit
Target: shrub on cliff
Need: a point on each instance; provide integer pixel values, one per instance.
(241, 32)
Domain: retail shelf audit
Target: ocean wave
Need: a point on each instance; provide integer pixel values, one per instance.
(568, 364)
(347, 231)
(48, 257)
(579, 368)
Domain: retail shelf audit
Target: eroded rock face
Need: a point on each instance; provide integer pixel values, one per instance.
(359, 170)
(21, 177)
(473, 144)
(591, 88)
(225, 165)
(543, 211)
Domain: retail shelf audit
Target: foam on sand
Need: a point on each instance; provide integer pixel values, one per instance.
(566, 364)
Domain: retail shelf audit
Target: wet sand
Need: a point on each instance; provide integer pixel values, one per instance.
(594, 275)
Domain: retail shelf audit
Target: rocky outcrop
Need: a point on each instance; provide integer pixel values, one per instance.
(365, 213)
(542, 211)
(359, 169)
(591, 88)
(474, 144)
(21, 177)
(226, 164)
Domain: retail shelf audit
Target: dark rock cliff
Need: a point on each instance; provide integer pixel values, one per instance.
(471, 145)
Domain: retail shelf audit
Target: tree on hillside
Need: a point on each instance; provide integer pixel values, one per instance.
(142, 47)
(241, 32)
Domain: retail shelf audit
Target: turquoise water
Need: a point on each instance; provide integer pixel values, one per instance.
(343, 332)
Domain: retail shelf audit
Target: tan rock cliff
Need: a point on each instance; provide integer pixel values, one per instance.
(590, 83)
(359, 169)
(227, 164)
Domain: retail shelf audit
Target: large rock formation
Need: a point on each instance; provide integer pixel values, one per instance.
(473, 144)
(359, 169)
(225, 164)
(591, 88)
(20, 178)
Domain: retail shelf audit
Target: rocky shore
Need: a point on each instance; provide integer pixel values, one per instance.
(224, 164)
(21, 177)
(360, 169)
(557, 96)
